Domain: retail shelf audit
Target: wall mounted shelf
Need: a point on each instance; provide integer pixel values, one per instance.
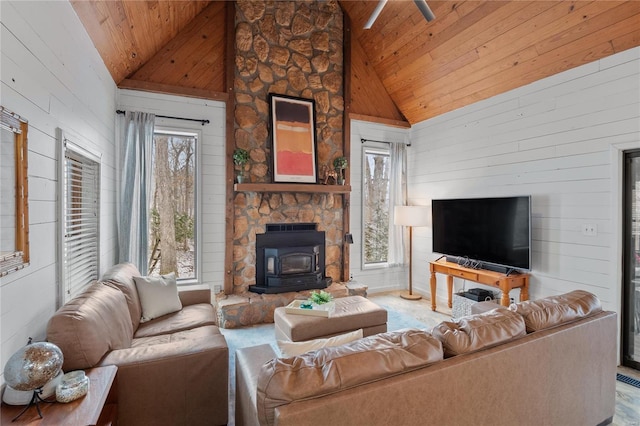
(292, 187)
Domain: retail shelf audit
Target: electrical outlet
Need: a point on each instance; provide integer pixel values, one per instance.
(590, 230)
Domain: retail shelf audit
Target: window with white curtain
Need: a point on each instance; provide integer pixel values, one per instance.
(375, 206)
(80, 219)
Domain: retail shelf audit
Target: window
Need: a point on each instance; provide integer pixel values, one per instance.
(172, 205)
(375, 206)
(14, 214)
(80, 213)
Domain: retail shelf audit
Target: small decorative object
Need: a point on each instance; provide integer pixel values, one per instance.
(293, 135)
(326, 174)
(31, 367)
(240, 158)
(320, 298)
(340, 164)
(74, 385)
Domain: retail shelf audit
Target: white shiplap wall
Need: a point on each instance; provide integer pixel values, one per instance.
(52, 75)
(559, 140)
(377, 279)
(212, 166)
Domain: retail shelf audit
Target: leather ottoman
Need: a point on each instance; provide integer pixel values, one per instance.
(350, 313)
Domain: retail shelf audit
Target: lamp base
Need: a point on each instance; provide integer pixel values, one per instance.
(410, 296)
(35, 400)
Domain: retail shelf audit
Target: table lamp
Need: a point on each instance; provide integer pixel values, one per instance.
(32, 367)
(411, 216)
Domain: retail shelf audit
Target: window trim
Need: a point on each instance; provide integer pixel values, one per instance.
(65, 146)
(163, 126)
(369, 148)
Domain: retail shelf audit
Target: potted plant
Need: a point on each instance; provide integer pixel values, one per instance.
(321, 300)
(339, 164)
(240, 158)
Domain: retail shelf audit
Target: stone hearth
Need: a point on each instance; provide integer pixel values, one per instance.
(245, 309)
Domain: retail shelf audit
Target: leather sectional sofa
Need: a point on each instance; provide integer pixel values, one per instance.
(546, 362)
(172, 370)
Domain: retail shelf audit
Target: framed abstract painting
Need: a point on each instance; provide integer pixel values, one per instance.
(293, 133)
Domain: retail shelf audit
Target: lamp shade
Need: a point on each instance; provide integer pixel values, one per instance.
(411, 215)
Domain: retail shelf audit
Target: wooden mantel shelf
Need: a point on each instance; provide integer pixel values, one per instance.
(291, 187)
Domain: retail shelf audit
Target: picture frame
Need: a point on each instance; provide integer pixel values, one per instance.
(293, 138)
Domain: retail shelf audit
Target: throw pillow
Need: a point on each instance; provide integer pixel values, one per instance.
(290, 349)
(158, 296)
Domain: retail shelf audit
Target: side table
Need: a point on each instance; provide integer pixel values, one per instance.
(98, 407)
(504, 282)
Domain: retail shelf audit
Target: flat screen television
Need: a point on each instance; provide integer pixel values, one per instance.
(493, 231)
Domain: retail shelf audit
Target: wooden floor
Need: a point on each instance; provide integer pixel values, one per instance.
(627, 396)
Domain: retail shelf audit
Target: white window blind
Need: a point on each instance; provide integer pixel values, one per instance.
(80, 221)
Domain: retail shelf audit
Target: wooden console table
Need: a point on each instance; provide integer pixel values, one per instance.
(495, 279)
(97, 407)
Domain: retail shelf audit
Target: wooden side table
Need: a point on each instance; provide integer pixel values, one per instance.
(98, 407)
(495, 279)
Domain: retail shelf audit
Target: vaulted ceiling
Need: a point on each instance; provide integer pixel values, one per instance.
(403, 68)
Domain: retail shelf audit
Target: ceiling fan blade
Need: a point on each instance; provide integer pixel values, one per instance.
(375, 14)
(426, 11)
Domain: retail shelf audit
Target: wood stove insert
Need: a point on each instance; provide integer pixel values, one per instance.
(290, 257)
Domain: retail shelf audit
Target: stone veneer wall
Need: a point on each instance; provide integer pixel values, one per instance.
(295, 49)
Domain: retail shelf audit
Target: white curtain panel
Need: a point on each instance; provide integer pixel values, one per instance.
(135, 185)
(397, 197)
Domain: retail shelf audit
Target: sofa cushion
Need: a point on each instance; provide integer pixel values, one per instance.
(193, 334)
(158, 296)
(556, 310)
(475, 332)
(90, 325)
(334, 369)
(289, 349)
(188, 317)
(121, 276)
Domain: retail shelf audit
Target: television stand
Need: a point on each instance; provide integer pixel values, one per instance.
(504, 281)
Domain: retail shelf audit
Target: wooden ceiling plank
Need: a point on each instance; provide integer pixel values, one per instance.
(603, 16)
(445, 73)
(627, 41)
(398, 21)
(100, 19)
(553, 62)
(461, 52)
(436, 38)
(201, 70)
(125, 43)
(368, 94)
(205, 29)
(413, 43)
(580, 58)
(387, 55)
(358, 11)
(503, 47)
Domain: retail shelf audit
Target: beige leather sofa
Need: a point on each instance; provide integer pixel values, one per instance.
(172, 370)
(546, 362)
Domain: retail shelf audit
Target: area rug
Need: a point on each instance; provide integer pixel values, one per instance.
(264, 333)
